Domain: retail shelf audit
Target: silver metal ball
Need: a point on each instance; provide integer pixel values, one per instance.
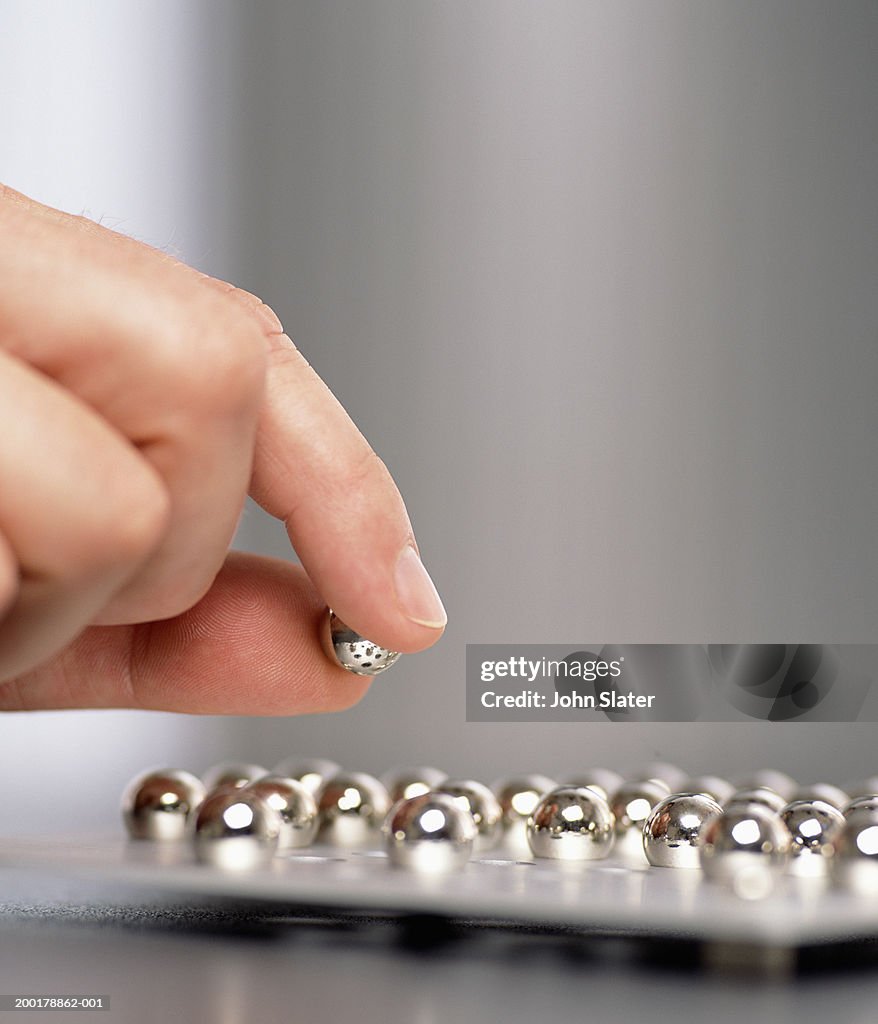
(429, 833)
(855, 863)
(233, 774)
(868, 802)
(236, 830)
(711, 785)
(356, 653)
(814, 825)
(768, 778)
(351, 808)
(633, 801)
(571, 824)
(480, 803)
(745, 847)
(519, 795)
(762, 795)
(402, 783)
(672, 832)
(312, 772)
(604, 780)
(295, 805)
(160, 804)
(824, 792)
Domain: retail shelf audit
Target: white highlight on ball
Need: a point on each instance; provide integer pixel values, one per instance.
(810, 828)
(433, 820)
(746, 832)
(350, 799)
(638, 809)
(524, 803)
(238, 816)
(867, 841)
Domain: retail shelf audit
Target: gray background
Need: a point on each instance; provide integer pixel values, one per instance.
(597, 282)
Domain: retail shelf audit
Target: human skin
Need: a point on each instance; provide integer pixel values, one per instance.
(140, 401)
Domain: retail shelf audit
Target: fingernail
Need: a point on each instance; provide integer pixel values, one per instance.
(415, 592)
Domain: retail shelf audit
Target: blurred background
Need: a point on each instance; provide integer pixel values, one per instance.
(597, 281)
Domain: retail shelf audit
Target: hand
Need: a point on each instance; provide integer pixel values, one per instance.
(139, 401)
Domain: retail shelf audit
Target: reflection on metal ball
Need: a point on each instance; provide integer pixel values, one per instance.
(478, 801)
(814, 825)
(571, 824)
(632, 803)
(352, 807)
(859, 803)
(356, 653)
(855, 863)
(160, 804)
(672, 832)
(746, 847)
(520, 794)
(294, 804)
(236, 830)
(430, 833)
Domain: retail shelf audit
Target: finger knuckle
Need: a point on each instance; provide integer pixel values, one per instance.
(133, 520)
(223, 360)
(268, 321)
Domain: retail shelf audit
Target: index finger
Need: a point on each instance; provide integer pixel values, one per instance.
(316, 472)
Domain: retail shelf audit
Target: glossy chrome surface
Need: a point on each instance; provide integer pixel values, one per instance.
(236, 830)
(571, 824)
(868, 802)
(768, 778)
(351, 808)
(356, 653)
(403, 783)
(764, 797)
(745, 847)
(604, 780)
(633, 801)
(312, 772)
(814, 825)
(711, 785)
(855, 863)
(430, 833)
(519, 794)
(480, 803)
(672, 832)
(295, 805)
(161, 803)
(233, 774)
(824, 792)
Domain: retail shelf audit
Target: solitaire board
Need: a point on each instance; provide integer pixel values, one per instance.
(621, 895)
